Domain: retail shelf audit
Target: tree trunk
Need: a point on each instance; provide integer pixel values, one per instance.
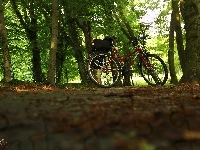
(60, 58)
(63, 42)
(77, 50)
(87, 31)
(52, 56)
(171, 48)
(127, 73)
(126, 27)
(192, 52)
(36, 59)
(86, 28)
(129, 33)
(179, 35)
(30, 27)
(6, 55)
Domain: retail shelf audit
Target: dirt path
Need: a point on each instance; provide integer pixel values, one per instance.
(137, 118)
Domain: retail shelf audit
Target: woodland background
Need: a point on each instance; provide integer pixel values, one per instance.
(48, 41)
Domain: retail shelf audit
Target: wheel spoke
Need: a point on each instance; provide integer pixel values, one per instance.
(154, 70)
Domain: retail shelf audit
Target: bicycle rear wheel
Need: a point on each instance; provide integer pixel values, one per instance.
(103, 70)
(153, 69)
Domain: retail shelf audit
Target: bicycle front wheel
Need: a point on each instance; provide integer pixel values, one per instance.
(104, 70)
(153, 69)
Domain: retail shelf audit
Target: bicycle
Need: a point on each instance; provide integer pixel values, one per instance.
(106, 69)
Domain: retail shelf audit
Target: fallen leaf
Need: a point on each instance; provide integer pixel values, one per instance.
(192, 135)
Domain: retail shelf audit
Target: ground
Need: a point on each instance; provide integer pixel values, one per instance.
(129, 118)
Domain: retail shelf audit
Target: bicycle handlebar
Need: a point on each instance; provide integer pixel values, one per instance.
(144, 37)
(134, 41)
(140, 39)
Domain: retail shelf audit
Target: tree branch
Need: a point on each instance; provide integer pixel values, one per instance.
(19, 15)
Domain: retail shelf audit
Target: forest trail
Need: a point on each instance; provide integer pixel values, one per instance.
(130, 118)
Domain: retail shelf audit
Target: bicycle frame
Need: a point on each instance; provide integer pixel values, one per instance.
(138, 53)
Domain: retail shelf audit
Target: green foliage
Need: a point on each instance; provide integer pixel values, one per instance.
(105, 18)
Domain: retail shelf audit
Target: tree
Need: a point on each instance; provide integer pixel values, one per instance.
(79, 21)
(76, 19)
(128, 31)
(6, 55)
(78, 50)
(179, 35)
(172, 71)
(192, 52)
(29, 22)
(52, 56)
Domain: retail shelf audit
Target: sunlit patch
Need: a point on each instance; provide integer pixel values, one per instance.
(19, 89)
(45, 87)
(29, 87)
(3, 143)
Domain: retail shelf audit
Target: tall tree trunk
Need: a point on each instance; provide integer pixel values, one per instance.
(6, 55)
(192, 52)
(52, 56)
(30, 27)
(129, 33)
(174, 79)
(179, 35)
(77, 50)
(60, 57)
(36, 59)
(63, 41)
(86, 28)
(126, 27)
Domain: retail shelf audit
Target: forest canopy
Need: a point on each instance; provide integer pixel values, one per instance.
(29, 28)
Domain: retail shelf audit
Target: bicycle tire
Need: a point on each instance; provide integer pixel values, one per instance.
(155, 71)
(109, 70)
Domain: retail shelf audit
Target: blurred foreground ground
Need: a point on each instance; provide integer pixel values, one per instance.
(130, 118)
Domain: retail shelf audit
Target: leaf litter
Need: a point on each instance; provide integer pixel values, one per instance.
(135, 118)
